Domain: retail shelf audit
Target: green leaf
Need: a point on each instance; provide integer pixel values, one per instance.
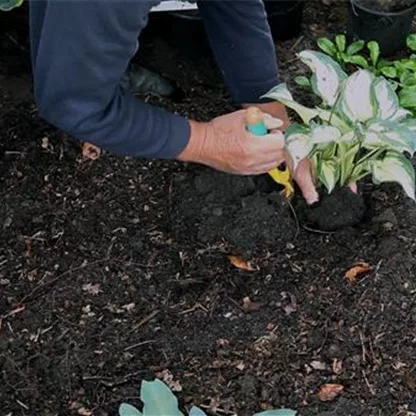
(407, 97)
(409, 64)
(327, 46)
(158, 399)
(357, 100)
(277, 412)
(355, 47)
(389, 71)
(282, 94)
(374, 49)
(7, 5)
(303, 81)
(327, 75)
(324, 134)
(346, 153)
(395, 167)
(196, 411)
(386, 99)
(411, 41)
(341, 42)
(126, 409)
(328, 174)
(298, 143)
(390, 135)
(357, 60)
(408, 79)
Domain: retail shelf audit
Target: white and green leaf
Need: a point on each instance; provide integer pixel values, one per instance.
(126, 409)
(347, 151)
(328, 174)
(332, 118)
(277, 412)
(357, 101)
(282, 94)
(298, 143)
(386, 98)
(324, 134)
(158, 399)
(389, 135)
(395, 167)
(196, 411)
(327, 75)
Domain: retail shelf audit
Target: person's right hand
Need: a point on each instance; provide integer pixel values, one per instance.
(225, 145)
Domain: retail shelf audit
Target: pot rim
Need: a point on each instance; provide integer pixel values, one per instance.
(380, 13)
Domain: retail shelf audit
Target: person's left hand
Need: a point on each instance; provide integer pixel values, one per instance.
(303, 175)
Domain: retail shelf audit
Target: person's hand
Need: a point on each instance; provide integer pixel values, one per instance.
(224, 144)
(303, 175)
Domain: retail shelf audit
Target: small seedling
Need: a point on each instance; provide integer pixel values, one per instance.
(359, 129)
(158, 400)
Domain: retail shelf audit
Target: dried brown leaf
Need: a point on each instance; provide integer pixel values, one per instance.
(167, 377)
(92, 289)
(328, 392)
(83, 411)
(241, 263)
(336, 366)
(358, 269)
(410, 381)
(89, 151)
(250, 306)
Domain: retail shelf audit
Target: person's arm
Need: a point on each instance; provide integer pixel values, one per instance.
(80, 50)
(241, 41)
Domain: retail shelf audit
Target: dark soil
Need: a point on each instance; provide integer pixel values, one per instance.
(340, 209)
(114, 270)
(386, 5)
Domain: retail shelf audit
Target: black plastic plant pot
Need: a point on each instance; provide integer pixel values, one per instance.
(389, 29)
(187, 32)
(285, 18)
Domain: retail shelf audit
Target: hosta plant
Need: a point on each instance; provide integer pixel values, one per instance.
(7, 5)
(400, 72)
(158, 400)
(359, 128)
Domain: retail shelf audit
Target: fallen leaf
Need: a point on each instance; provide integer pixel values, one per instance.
(292, 306)
(410, 381)
(222, 342)
(92, 289)
(45, 143)
(360, 268)
(336, 366)
(89, 151)
(83, 411)
(241, 263)
(250, 306)
(318, 365)
(167, 377)
(240, 366)
(328, 392)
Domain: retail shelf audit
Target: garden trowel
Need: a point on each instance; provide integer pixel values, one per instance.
(256, 126)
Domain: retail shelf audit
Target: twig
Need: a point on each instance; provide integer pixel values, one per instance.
(368, 384)
(139, 344)
(217, 409)
(296, 219)
(313, 230)
(298, 40)
(145, 320)
(363, 346)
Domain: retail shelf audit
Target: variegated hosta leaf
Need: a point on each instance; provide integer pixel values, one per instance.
(328, 174)
(386, 99)
(400, 114)
(410, 123)
(391, 135)
(158, 399)
(327, 75)
(324, 134)
(395, 167)
(357, 101)
(347, 152)
(334, 120)
(298, 143)
(7, 5)
(282, 94)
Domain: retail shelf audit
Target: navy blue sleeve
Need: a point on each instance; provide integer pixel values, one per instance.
(240, 37)
(80, 50)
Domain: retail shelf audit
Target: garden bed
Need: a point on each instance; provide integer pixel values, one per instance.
(113, 271)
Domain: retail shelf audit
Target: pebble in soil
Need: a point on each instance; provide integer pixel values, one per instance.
(230, 209)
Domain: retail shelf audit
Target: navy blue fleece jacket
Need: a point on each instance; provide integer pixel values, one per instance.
(81, 49)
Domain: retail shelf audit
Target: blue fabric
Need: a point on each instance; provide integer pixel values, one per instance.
(80, 52)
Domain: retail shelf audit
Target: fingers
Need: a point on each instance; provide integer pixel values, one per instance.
(353, 187)
(304, 179)
(272, 122)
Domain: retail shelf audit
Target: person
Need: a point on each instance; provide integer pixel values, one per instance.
(80, 51)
